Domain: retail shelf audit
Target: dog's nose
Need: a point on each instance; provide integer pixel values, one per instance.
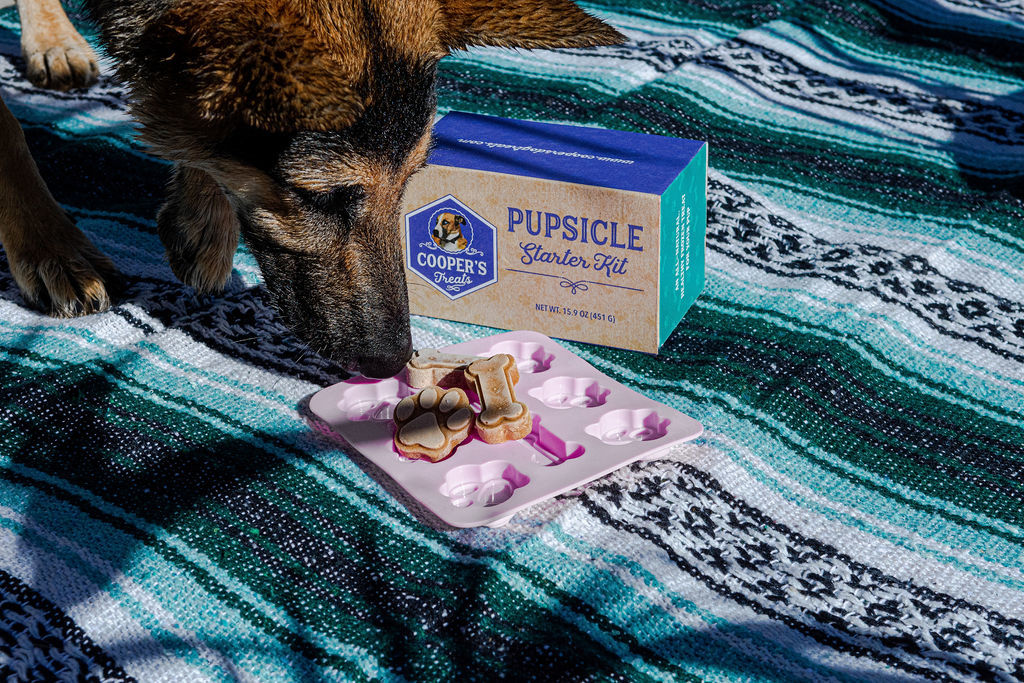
(385, 366)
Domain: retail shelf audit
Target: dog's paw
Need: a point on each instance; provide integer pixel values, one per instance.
(202, 259)
(199, 231)
(67, 275)
(60, 59)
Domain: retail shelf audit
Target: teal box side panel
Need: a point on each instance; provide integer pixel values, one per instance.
(684, 222)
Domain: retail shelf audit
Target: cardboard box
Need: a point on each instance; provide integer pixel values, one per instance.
(579, 233)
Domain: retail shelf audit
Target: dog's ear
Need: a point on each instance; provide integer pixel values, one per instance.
(523, 23)
(290, 77)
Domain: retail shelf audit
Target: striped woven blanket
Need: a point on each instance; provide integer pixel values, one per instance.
(855, 510)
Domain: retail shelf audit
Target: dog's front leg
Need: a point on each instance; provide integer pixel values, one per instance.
(54, 264)
(199, 229)
(55, 54)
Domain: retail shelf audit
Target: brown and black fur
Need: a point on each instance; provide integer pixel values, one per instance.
(295, 123)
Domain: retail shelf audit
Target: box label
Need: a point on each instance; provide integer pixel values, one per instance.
(451, 247)
(568, 261)
(548, 238)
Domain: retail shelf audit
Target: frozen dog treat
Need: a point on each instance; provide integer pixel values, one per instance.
(431, 367)
(502, 417)
(431, 423)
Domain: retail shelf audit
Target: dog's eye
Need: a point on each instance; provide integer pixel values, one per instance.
(344, 199)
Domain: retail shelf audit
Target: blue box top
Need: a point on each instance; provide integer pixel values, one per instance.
(574, 154)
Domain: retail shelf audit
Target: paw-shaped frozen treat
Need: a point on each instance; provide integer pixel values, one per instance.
(431, 367)
(502, 417)
(431, 423)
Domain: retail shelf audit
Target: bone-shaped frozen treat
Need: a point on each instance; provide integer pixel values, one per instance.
(430, 424)
(431, 367)
(502, 417)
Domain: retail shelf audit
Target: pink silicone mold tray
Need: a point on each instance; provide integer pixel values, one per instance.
(585, 425)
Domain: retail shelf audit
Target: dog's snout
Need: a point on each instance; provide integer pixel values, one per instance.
(382, 366)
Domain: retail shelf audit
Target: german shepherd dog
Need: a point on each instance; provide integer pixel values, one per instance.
(293, 122)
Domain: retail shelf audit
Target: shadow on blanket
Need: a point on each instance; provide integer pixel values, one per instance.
(988, 133)
(987, 151)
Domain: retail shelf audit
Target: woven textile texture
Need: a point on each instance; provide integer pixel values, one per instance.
(855, 510)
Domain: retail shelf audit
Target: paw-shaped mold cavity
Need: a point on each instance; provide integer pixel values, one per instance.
(622, 426)
(375, 401)
(551, 448)
(571, 392)
(491, 483)
(530, 357)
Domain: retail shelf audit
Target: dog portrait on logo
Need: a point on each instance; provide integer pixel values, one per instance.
(293, 125)
(447, 232)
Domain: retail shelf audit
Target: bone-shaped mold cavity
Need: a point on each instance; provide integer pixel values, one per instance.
(570, 392)
(375, 401)
(530, 357)
(551, 448)
(622, 426)
(491, 483)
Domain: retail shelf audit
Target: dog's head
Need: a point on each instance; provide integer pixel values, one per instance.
(312, 115)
